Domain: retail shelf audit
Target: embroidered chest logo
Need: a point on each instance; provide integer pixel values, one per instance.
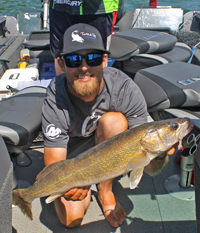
(90, 123)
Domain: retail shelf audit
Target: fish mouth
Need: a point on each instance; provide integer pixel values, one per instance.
(184, 132)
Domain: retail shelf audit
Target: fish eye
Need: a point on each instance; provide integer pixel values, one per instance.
(174, 126)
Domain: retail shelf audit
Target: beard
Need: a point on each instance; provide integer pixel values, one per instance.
(86, 88)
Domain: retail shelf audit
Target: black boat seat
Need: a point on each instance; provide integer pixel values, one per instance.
(170, 85)
(37, 44)
(20, 118)
(38, 40)
(131, 42)
(180, 52)
(38, 49)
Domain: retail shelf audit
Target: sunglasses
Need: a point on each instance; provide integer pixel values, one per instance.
(92, 59)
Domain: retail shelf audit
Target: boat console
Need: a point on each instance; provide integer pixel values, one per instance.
(11, 43)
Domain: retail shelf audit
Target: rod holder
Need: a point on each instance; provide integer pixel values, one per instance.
(187, 164)
(179, 186)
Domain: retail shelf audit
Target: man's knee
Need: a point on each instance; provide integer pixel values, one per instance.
(115, 120)
(70, 220)
(111, 124)
(74, 223)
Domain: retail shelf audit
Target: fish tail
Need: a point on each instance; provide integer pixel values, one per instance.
(23, 205)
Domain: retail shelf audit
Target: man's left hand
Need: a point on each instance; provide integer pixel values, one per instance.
(77, 194)
(172, 149)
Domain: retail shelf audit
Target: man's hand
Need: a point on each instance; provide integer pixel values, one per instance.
(156, 166)
(77, 194)
(172, 149)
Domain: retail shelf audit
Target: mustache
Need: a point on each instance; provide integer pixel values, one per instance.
(83, 73)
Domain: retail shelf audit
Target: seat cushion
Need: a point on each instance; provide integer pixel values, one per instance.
(20, 116)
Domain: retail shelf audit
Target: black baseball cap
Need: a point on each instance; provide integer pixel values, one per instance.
(79, 37)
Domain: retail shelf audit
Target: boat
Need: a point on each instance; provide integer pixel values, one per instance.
(25, 46)
(159, 204)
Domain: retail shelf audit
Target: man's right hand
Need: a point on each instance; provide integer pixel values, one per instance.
(77, 194)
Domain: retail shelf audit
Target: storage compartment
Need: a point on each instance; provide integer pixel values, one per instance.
(12, 78)
(47, 71)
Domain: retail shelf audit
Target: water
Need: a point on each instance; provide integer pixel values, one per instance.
(13, 7)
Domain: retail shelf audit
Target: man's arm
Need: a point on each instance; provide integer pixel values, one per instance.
(52, 155)
(156, 166)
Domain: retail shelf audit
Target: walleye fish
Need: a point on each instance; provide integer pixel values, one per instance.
(129, 151)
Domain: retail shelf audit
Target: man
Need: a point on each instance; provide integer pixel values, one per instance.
(86, 105)
(101, 14)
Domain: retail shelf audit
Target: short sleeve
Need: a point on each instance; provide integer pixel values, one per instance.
(54, 122)
(129, 100)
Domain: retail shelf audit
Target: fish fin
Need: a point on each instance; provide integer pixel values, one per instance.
(48, 169)
(23, 205)
(138, 161)
(135, 177)
(52, 198)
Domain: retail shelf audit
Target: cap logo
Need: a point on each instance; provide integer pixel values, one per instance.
(76, 37)
(80, 36)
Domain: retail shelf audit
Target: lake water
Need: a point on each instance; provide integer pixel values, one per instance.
(13, 7)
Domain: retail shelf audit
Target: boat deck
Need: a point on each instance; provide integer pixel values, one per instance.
(150, 208)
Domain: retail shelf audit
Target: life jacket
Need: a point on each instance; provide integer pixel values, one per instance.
(87, 7)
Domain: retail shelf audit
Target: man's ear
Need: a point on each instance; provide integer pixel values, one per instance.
(60, 63)
(105, 60)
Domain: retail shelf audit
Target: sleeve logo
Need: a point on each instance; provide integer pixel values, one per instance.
(52, 131)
